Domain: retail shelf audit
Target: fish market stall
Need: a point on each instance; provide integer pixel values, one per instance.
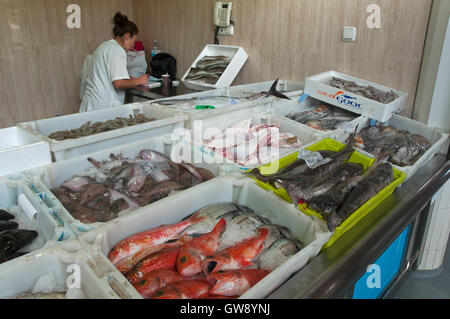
(77, 134)
(189, 213)
(341, 189)
(390, 237)
(91, 190)
(21, 150)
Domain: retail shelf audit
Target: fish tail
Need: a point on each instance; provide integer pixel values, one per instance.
(273, 91)
(350, 143)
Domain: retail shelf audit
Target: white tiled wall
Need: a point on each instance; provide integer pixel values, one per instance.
(438, 232)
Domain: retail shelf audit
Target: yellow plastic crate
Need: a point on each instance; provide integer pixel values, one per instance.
(355, 157)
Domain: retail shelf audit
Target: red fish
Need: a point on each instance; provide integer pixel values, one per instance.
(150, 238)
(189, 261)
(235, 282)
(187, 289)
(155, 280)
(163, 259)
(237, 256)
(126, 265)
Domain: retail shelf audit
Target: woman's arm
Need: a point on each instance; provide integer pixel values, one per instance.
(131, 83)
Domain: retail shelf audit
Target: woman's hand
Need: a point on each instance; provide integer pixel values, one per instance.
(131, 83)
(143, 79)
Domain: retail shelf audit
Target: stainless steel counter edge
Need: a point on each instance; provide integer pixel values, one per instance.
(336, 270)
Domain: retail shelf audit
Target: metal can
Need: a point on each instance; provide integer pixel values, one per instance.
(166, 85)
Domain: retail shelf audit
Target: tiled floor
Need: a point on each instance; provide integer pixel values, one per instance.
(428, 284)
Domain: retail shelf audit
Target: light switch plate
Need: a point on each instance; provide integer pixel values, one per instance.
(349, 34)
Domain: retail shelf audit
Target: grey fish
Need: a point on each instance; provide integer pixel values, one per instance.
(4, 215)
(279, 252)
(367, 91)
(208, 62)
(12, 240)
(212, 213)
(294, 187)
(339, 175)
(365, 190)
(250, 220)
(6, 224)
(403, 147)
(330, 201)
(289, 172)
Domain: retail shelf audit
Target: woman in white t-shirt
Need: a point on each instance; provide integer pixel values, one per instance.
(108, 76)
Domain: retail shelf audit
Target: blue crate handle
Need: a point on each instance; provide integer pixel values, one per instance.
(303, 97)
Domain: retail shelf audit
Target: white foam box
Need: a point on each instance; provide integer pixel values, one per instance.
(213, 125)
(45, 178)
(50, 231)
(317, 86)
(313, 233)
(20, 150)
(439, 140)
(238, 58)
(237, 99)
(62, 150)
(65, 261)
(291, 89)
(284, 108)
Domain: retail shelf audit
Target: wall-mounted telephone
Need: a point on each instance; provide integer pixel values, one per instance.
(222, 14)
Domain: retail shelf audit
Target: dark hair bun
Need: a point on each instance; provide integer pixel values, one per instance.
(120, 19)
(122, 26)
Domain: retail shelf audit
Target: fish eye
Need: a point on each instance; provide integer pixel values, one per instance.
(211, 266)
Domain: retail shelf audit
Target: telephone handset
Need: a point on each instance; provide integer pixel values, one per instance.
(222, 14)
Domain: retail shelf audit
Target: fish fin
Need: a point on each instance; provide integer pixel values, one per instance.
(273, 91)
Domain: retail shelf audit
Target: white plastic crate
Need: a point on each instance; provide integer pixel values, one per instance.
(284, 108)
(238, 58)
(54, 175)
(312, 232)
(20, 150)
(50, 231)
(19, 276)
(62, 150)
(439, 140)
(237, 99)
(202, 129)
(317, 86)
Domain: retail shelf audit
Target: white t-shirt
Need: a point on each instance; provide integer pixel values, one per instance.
(109, 63)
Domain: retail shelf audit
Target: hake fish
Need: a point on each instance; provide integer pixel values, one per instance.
(338, 175)
(330, 201)
(365, 190)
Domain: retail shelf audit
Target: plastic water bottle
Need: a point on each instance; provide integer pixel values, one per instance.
(155, 49)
